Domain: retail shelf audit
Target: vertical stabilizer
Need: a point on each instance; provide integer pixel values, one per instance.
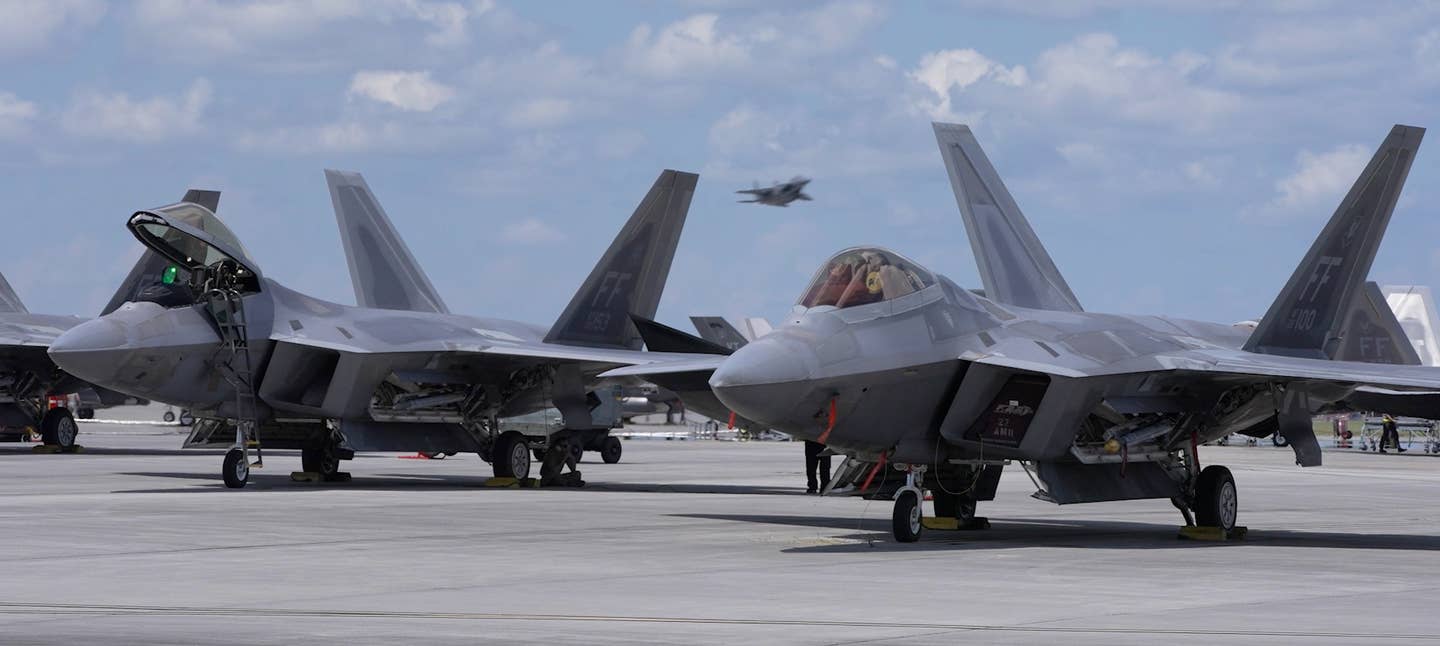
(1014, 266)
(719, 331)
(150, 268)
(382, 269)
(1414, 307)
(631, 275)
(9, 300)
(1308, 317)
(1373, 334)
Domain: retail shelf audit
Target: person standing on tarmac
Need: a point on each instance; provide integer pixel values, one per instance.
(815, 461)
(1389, 430)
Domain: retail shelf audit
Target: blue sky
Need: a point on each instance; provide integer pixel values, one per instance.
(1176, 157)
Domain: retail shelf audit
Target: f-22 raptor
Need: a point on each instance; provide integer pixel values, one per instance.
(901, 369)
(778, 194)
(28, 376)
(255, 360)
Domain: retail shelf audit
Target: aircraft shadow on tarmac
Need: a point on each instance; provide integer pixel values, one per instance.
(873, 532)
(279, 480)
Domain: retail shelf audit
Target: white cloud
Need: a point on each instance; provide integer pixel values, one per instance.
(234, 26)
(28, 25)
(15, 115)
(1316, 186)
(1427, 52)
(957, 69)
(117, 116)
(746, 128)
(540, 113)
(410, 91)
(530, 231)
(690, 45)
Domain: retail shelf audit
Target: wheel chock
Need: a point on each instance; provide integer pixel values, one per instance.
(502, 483)
(940, 524)
(1196, 533)
(55, 448)
(954, 524)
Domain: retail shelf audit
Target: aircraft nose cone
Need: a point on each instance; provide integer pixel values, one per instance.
(763, 361)
(83, 350)
(98, 334)
(764, 381)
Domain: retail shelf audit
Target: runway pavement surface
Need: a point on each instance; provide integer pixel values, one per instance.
(701, 542)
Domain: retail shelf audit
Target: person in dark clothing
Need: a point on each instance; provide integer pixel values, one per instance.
(1390, 431)
(814, 461)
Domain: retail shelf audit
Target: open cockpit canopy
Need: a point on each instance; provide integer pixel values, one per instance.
(199, 244)
(865, 275)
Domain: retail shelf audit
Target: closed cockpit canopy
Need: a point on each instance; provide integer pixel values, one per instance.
(865, 275)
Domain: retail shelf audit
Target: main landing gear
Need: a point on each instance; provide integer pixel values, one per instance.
(58, 428)
(1214, 501)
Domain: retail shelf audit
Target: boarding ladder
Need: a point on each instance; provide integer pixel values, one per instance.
(227, 308)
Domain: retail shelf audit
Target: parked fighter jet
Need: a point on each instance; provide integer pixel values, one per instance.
(778, 194)
(895, 365)
(254, 360)
(28, 376)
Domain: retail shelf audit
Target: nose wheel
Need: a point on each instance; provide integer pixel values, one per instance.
(907, 521)
(236, 469)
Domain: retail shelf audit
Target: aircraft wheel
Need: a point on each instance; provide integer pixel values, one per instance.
(169, 416)
(85, 413)
(58, 428)
(322, 461)
(186, 419)
(906, 520)
(511, 456)
(236, 470)
(1216, 502)
(1279, 440)
(610, 450)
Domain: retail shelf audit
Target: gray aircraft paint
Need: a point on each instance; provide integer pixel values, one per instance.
(631, 276)
(717, 330)
(779, 194)
(383, 272)
(1014, 267)
(320, 360)
(943, 374)
(1306, 318)
(10, 302)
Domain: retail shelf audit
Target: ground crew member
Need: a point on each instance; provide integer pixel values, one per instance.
(1388, 430)
(814, 461)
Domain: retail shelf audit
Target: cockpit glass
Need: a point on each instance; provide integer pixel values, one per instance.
(201, 218)
(193, 248)
(863, 276)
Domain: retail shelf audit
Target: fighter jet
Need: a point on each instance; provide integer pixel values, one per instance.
(254, 360)
(717, 330)
(778, 194)
(901, 369)
(28, 377)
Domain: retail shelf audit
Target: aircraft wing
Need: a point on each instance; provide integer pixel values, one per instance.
(1237, 365)
(33, 330)
(754, 191)
(671, 366)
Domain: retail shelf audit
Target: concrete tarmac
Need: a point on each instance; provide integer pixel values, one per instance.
(700, 542)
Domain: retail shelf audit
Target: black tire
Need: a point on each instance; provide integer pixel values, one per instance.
(169, 416)
(905, 522)
(85, 413)
(235, 470)
(58, 428)
(511, 457)
(1217, 503)
(1279, 440)
(322, 461)
(610, 450)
